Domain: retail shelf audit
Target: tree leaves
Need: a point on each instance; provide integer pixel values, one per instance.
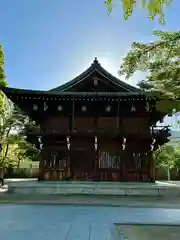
(2, 74)
(161, 61)
(13, 142)
(167, 157)
(152, 7)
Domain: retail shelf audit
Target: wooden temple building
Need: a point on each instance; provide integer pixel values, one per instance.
(94, 127)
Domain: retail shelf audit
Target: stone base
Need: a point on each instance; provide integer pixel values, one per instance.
(95, 188)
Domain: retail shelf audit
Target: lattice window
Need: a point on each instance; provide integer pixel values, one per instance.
(137, 161)
(108, 160)
(63, 163)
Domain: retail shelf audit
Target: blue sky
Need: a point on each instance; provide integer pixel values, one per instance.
(48, 42)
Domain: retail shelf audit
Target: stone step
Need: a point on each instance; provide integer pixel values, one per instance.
(93, 188)
(82, 200)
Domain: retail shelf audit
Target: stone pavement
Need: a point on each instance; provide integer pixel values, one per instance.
(142, 202)
(41, 222)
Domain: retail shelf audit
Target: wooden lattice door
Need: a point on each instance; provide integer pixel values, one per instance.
(82, 159)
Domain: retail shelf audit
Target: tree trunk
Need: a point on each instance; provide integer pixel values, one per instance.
(168, 174)
(19, 160)
(7, 146)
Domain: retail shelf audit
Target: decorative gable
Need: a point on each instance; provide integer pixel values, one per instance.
(96, 79)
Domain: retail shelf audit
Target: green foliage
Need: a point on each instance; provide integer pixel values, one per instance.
(26, 151)
(143, 85)
(3, 83)
(153, 7)
(168, 157)
(160, 60)
(15, 148)
(2, 74)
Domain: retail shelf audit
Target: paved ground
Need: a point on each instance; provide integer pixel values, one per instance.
(142, 202)
(68, 222)
(41, 222)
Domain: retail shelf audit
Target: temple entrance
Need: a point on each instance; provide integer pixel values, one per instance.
(82, 165)
(82, 158)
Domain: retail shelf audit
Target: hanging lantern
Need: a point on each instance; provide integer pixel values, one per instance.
(95, 143)
(45, 106)
(152, 144)
(147, 107)
(84, 108)
(124, 144)
(133, 108)
(39, 139)
(68, 143)
(41, 146)
(59, 108)
(35, 107)
(108, 109)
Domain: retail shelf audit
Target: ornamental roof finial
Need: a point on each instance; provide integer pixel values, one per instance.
(95, 62)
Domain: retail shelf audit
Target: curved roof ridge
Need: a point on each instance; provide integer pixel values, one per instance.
(96, 66)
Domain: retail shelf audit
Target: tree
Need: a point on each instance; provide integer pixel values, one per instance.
(160, 60)
(167, 157)
(145, 86)
(26, 151)
(12, 137)
(3, 83)
(153, 7)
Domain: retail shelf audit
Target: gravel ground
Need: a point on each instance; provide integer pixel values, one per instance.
(148, 232)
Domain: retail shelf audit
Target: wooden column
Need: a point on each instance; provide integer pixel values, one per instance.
(152, 174)
(41, 166)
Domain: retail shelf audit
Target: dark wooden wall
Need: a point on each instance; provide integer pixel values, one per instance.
(109, 161)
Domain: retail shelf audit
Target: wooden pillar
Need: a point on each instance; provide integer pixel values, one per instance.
(96, 148)
(41, 166)
(152, 174)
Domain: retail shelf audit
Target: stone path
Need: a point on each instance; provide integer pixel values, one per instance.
(40, 222)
